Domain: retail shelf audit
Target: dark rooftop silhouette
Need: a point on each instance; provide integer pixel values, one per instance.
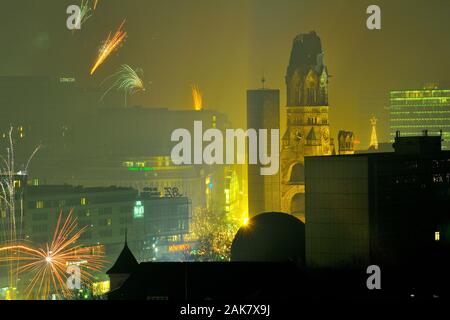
(126, 263)
(270, 237)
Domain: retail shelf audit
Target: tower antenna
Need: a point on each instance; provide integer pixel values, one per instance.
(263, 81)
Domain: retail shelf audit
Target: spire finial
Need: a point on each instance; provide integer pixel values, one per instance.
(263, 79)
(373, 136)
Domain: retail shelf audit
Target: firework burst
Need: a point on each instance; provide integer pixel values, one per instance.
(47, 265)
(110, 44)
(128, 80)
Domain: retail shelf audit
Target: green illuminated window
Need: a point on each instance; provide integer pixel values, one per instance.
(138, 210)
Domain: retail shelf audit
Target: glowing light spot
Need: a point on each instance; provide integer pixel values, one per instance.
(197, 97)
(437, 236)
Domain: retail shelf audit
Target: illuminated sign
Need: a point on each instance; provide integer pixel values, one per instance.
(179, 247)
(141, 169)
(172, 192)
(67, 80)
(138, 210)
(100, 288)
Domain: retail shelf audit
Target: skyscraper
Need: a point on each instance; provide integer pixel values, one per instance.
(414, 111)
(389, 209)
(308, 130)
(263, 112)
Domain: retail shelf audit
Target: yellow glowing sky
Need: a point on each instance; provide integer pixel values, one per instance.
(224, 46)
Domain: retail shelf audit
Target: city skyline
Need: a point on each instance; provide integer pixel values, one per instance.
(244, 40)
(245, 149)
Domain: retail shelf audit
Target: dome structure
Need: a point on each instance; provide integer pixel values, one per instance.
(270, 237)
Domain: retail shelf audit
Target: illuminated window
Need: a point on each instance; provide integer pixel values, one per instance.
(39, 204)
(437, 236)
(17, 184)
(128, 164)
(100, 288)
(227, 196)
(138, 210)
(83, 201)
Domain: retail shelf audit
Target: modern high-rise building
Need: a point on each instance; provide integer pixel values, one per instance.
(263, 112)
(414, 111)
(131, 147)
(308, 128)
(158, 224)
(153, 219)
(388, 209)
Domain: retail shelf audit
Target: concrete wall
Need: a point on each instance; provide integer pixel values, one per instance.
(337, 211)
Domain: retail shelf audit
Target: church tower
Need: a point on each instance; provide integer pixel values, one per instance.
(308, 131)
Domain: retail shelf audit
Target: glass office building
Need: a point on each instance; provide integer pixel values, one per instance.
(414, 111)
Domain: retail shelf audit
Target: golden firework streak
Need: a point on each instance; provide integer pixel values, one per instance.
(109, 46)
(197, 98)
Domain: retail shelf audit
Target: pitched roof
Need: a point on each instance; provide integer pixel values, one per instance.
(125, 263)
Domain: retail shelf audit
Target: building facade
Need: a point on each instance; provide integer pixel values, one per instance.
(388, 209)
(263, 112)
(346, 142)
(308, 128)
(131, 147)
(413, 111)
(149, 219)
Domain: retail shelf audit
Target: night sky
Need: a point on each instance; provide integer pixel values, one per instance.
(224, 46)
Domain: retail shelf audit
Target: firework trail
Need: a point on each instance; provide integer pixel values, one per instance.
(110, 44)
(10, 180)
(86, 11)
(95, 4)
(47, 265)
(128, 80)
(197, 98)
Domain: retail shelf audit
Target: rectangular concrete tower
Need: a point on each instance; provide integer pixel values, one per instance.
(263, 112)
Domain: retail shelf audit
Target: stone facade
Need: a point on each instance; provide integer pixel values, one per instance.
(308, 130)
